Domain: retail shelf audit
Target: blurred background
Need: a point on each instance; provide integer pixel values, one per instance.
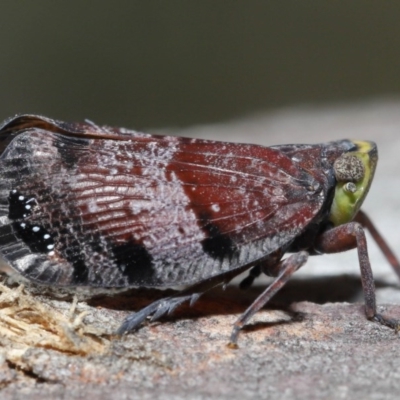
(152, 64)
(256, 71)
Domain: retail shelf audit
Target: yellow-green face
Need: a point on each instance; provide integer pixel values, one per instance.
(354, 172)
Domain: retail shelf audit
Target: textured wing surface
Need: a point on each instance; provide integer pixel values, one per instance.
(88, 205)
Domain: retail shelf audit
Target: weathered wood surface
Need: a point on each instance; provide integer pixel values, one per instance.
(301, 351)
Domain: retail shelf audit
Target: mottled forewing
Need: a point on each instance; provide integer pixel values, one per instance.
(84, 205)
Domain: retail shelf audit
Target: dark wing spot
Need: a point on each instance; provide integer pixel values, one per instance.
(81, 273)
(37, 238)
(135, 262)
(69, 149)
(76, 258)
(20, 206)
(217, 245)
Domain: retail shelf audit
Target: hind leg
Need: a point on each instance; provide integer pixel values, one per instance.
(167, 305)
(156, 310)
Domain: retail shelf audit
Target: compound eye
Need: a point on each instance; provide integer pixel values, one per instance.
(350, 187)
(348, 167)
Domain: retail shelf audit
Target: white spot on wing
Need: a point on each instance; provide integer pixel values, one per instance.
(215, 207)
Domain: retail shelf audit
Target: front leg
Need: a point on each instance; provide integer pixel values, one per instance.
(350, 236)
(286, 269)
(364, 220)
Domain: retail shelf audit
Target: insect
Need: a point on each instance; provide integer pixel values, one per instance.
(98, 206)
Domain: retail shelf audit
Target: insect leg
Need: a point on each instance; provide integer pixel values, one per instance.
(156, 310)
(364, 220)
(167, 305)
(254, 273)
(287, 267)
(350, 236)
(269, 266)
